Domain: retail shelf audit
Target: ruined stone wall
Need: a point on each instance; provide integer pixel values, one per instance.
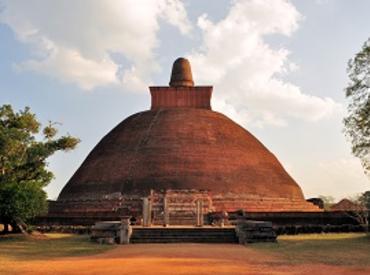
(254, 203)
(174, 207)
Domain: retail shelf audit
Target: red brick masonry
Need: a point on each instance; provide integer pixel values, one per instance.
(180, 144)
(181, 205)
(172, 97)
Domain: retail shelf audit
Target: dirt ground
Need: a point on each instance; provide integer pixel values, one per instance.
(178, 259)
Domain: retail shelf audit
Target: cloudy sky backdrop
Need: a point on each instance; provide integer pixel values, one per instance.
(278, 68)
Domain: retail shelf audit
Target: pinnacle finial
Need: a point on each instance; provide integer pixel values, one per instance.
(181, 73)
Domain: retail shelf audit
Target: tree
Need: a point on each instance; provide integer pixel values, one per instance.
(360, 210)
(24, 149)
(357, 122)
(328, 201)
(365, 199)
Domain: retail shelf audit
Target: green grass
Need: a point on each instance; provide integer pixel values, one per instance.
(18, 247)
(333, 249)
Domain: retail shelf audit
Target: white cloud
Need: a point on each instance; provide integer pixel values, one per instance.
(246, 71)
(69, 65)
(74, 40)
(78, 42)
(174, 12)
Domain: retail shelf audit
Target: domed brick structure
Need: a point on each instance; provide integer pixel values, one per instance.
(183, 151)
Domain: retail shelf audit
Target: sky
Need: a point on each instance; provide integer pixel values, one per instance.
(278, 69)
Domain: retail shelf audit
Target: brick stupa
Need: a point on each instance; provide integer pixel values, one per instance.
(179, 151)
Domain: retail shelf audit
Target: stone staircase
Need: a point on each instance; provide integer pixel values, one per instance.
(183, 235)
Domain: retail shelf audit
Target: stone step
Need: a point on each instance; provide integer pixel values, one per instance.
(181, 234)
(183, 240)
(173, 235)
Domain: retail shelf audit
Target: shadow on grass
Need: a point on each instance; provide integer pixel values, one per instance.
(333, 249)
(19, 247)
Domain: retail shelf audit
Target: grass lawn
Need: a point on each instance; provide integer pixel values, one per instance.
(333, 249)
(53, 245)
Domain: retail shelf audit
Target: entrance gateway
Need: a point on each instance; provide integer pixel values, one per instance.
(175, 216)
(175, 207)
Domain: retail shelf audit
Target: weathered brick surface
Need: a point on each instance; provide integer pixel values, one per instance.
(181, 205)
(174, 97)
(180, 148)
(180, 144)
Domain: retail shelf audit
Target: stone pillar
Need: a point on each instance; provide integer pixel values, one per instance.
(166, 212)
(125, 231)
(199, 212)
(150, 205)
(147, 212)
(224, 217)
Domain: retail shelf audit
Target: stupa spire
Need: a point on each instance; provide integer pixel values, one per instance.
(181, 93)
(181, 75)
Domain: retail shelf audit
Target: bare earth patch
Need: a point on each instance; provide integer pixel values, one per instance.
(184, 259)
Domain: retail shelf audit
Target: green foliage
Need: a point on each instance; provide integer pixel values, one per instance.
(23, 166)
(22, 200)
(357, 122)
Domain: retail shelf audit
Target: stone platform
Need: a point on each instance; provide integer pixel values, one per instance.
(244, 232)
(174, 207)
